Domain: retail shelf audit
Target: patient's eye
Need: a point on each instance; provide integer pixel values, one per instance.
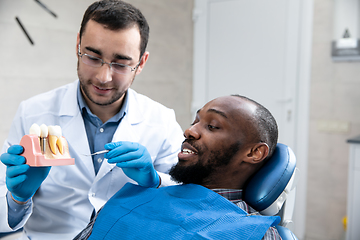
(211, 127)
(194, 122)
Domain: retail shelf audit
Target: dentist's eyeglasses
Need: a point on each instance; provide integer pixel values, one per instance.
(98, 62)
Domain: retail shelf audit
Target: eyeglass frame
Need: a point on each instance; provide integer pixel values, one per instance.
(110, 64)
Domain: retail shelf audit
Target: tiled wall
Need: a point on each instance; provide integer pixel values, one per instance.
(335, 98)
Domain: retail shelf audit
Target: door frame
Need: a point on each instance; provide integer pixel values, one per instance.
(303, 75)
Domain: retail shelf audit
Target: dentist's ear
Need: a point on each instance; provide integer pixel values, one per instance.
(258, 153)
(77, 44)
(143, 60)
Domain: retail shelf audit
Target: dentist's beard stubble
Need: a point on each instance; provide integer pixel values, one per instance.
(86, 84)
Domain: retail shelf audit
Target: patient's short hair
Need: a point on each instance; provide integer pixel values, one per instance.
(265, 124)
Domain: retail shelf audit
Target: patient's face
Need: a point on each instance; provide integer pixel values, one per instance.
(198, 173)
(213, 141)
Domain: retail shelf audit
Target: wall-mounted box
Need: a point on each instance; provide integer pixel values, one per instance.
(346, 43)
(345, 49)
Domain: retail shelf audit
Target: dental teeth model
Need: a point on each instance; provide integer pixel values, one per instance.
(55, 139)
(43, 136)
(35, 129)
(50, 137)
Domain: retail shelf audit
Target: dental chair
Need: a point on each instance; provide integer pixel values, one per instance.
(271, 191)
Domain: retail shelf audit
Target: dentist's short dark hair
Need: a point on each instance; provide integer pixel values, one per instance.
(117, 15)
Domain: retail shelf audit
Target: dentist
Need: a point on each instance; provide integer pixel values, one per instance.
(97, 111)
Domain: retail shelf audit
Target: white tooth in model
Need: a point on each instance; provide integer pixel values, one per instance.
(55, 139)
(44, 131)
(35, 129)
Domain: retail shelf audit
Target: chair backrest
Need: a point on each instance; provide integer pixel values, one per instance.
(271, 191)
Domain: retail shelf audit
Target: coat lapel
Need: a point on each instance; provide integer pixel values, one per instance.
(75, 134)
(73, 128)
(125, 130)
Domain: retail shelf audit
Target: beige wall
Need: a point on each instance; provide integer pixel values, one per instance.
(26, 70)
(335, 97)
(167, 78)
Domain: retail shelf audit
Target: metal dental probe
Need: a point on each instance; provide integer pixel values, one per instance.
(96, 153)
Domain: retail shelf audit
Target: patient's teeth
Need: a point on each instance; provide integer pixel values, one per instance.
(35, 129)
(187, 151)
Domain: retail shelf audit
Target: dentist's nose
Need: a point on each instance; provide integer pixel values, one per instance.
(104, 74)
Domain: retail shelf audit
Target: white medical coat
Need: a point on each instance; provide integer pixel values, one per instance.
(64, 202)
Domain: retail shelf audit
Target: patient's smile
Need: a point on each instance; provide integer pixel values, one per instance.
(187, 151)
(186, 154)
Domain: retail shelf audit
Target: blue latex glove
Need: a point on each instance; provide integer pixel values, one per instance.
(21, 179)
(135, 161)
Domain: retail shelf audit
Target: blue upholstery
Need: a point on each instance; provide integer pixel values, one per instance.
(285, 233)
(272, 185)
(270, 181)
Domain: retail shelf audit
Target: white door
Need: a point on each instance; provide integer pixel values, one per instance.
(252, 48)
(252, 51)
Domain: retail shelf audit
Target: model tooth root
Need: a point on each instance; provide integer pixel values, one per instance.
(60, 145)
(55, 139)
(52, 143)
(43, 142)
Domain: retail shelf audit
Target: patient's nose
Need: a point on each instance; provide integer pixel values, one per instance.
(192, 132)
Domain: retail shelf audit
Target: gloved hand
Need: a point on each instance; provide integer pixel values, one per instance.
(21, 179)
(135, 161)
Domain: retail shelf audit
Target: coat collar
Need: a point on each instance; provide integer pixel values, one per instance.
(70, 106)
(135, 109)
(72, 122)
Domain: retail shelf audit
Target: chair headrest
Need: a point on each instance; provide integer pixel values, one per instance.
(268, 184)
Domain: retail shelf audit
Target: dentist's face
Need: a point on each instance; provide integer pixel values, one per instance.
(101, 85)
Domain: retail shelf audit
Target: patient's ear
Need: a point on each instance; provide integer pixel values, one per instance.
(258, 153)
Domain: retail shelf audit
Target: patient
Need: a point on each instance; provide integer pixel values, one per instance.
(230, 139)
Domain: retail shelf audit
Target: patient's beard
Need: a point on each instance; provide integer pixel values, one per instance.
(199, 173)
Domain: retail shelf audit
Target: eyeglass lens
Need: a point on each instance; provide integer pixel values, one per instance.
(97, 62)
